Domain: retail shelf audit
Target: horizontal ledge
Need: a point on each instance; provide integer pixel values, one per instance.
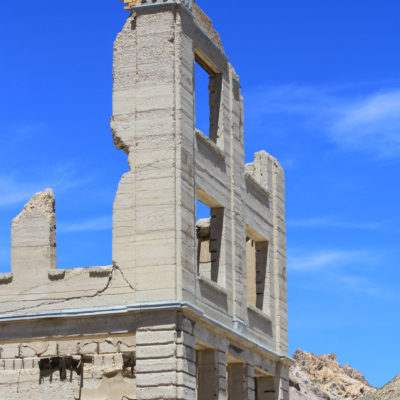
(209, 143)
(213, 285)
(257, 185)
(93, 272)
(100, 272)
(142, 307)
(259, 313)
(83, 312)
(168, 3)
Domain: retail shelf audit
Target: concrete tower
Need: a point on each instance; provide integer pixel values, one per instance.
(191, 308)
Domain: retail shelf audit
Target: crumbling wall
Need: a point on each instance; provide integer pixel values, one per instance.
(100, 368)
(205, 24)
(196, 317)
(144, 125)
(268, 174)
(33, 239)
(36, 285)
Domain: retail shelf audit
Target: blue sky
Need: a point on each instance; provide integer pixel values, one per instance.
(321, 85)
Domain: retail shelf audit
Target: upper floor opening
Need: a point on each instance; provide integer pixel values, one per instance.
(208, 91)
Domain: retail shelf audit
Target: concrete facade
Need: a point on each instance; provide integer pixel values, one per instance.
(190, 308)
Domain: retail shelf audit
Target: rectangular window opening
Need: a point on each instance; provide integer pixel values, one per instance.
(265, 388)
(207, 88)
(209, 227)
(256, 262)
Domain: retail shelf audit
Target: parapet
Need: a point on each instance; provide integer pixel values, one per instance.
(200, 17)
(134, 3)
(33, 238)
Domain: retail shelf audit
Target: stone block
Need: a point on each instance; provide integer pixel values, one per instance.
(186, 380)
(107, 346)
(182, 364)
(89, 347)
(158, 337)
(18, 364)
(27, 351)
(9, 364)
(98, 360)
(186, 339)
(9, 350)
(109, 360)
(185, 393)
(68, 347)
(49, 350)
(156, 379)
(157, 365)
(30, 363)
(156, 392)
(155, 352)
(186, 352)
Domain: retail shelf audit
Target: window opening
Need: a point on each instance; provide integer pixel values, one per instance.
(208, 86)
(209, 227)
(256, 261)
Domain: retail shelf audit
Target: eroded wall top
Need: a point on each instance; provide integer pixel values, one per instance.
(201, 18)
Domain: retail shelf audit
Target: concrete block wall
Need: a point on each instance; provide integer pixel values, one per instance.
(217, 330)
(33, 239)
(146, 130)
(241, 382)
(166, 361)
(266, 171)
(76, 368)
(165, 355)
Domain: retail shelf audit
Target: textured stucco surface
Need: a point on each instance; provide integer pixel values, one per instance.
(163, 321)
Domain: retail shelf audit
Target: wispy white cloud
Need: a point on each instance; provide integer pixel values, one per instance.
(94, 224)
(348, 269)
(288, 99)
(368, 122)
(18, 133)
(12, 191)
(16, 189)
(362, 284)
(330, 222)
(371, 124)
(323, 259)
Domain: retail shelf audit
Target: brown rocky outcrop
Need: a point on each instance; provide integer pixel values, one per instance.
(391, 391)
(322, 378)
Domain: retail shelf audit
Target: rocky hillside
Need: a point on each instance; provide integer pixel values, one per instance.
(322, 378)
(390, 391)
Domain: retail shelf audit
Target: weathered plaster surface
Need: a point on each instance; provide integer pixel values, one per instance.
(76, 368)
(187, 309)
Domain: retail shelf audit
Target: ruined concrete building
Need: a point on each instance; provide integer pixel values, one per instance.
(187, 310)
